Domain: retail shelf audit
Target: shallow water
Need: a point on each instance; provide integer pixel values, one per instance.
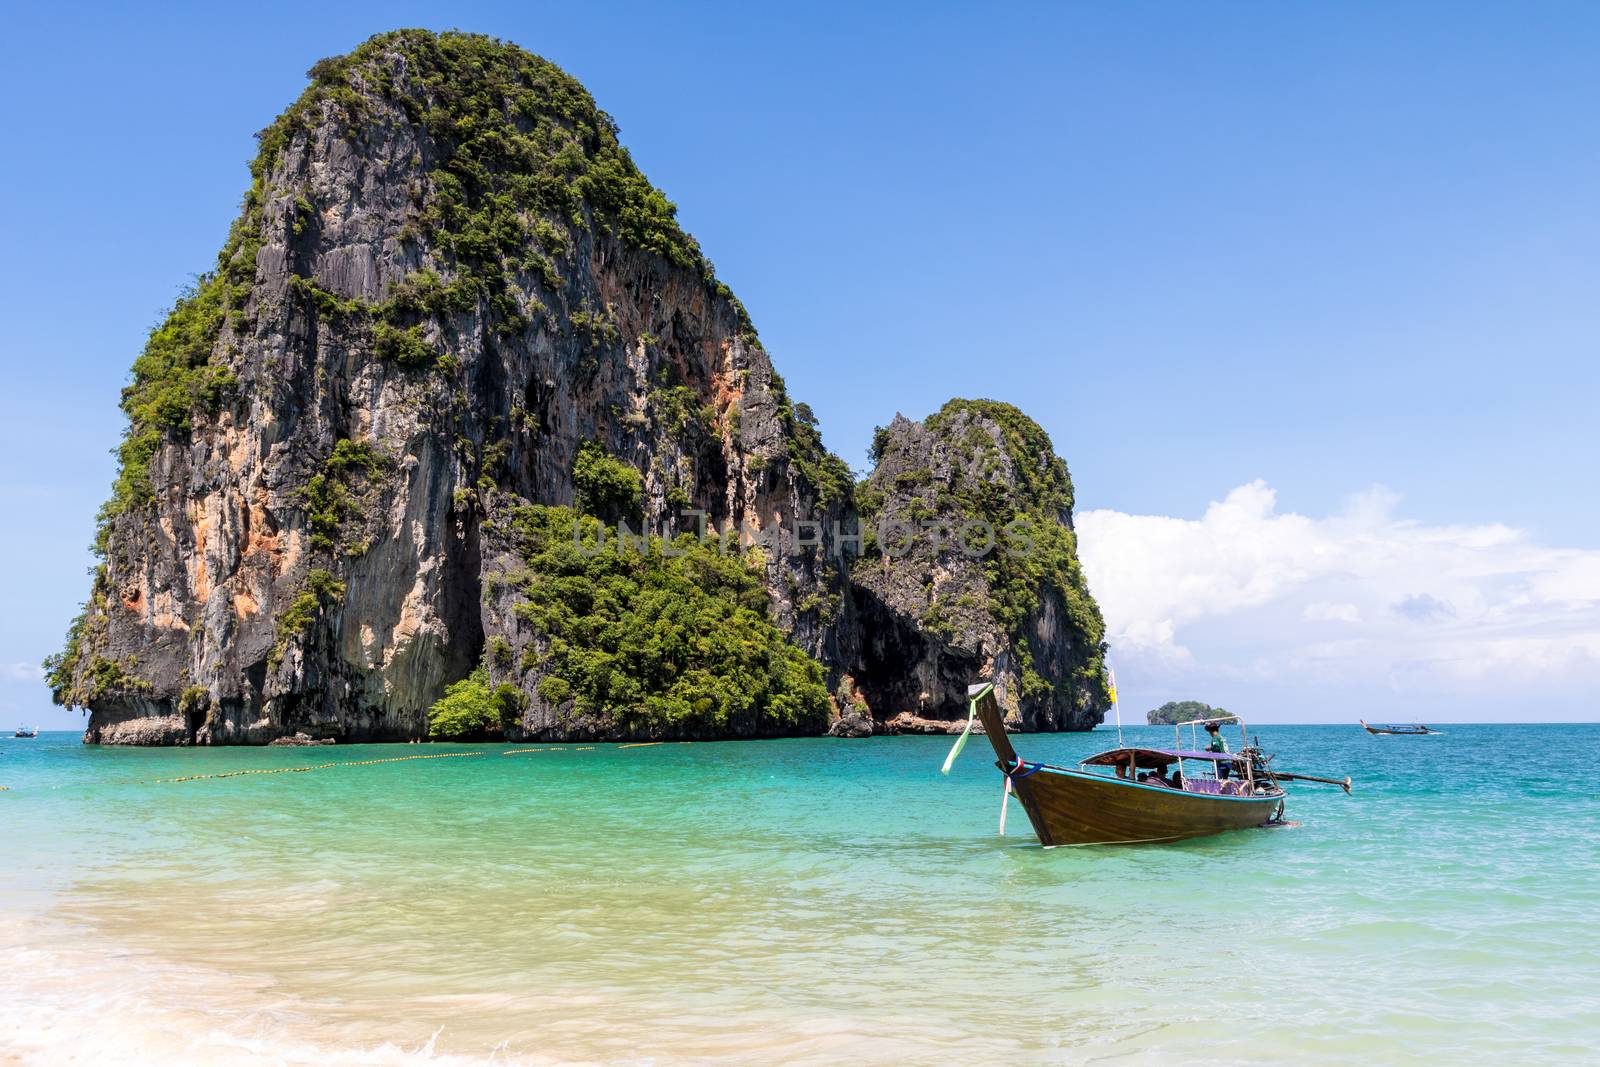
(798, 902)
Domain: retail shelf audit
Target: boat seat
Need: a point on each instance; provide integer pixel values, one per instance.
(1214, 787)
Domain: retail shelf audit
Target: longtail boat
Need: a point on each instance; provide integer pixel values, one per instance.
(1137, 795)
(1395, 728)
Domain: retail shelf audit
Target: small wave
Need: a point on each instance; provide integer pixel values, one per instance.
(66, 998)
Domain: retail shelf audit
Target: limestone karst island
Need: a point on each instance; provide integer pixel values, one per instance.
(451, 628)
(453, 319)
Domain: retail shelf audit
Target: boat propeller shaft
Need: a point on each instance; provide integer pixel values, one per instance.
(1342, 783)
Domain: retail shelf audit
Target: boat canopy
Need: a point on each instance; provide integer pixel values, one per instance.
(1155, 757)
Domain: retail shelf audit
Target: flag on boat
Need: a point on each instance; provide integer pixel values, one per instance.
(961, 742)
(975, 694)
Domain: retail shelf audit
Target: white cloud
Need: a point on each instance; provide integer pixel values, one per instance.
(1322, 611)
(1360, 601)
(21, 672)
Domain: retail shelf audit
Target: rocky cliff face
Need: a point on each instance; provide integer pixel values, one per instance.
(448, 285)
(976, 574)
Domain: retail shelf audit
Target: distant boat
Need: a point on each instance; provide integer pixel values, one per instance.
(1396, 728)
(27, 731)
(1138, 795)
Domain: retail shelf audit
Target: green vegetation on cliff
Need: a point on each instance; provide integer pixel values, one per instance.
(175, 377)
(79, 673)
(332, 496)
(826, 472)
(1176, 711)
(676, 635)
(320, 591)
(473, 709)
(523, 159)
(607, 488)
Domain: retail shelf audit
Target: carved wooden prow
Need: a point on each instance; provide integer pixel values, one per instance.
(994, 727)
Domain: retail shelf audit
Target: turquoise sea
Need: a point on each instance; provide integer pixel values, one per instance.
(796, 902)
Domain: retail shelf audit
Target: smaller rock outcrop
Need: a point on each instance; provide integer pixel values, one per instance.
(972, 571)
(854, 716)
(301, 741)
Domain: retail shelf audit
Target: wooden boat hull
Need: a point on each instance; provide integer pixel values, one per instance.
(1078, 808)
(1081, 808)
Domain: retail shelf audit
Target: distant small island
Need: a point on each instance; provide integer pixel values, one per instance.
(1175, 711)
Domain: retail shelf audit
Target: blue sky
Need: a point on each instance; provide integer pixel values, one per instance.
(1322, 247)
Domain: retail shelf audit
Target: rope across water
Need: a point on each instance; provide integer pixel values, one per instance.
(362, 763)
(319, 766)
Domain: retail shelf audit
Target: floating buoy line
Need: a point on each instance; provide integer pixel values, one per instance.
(318, 766)
(361, 763)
